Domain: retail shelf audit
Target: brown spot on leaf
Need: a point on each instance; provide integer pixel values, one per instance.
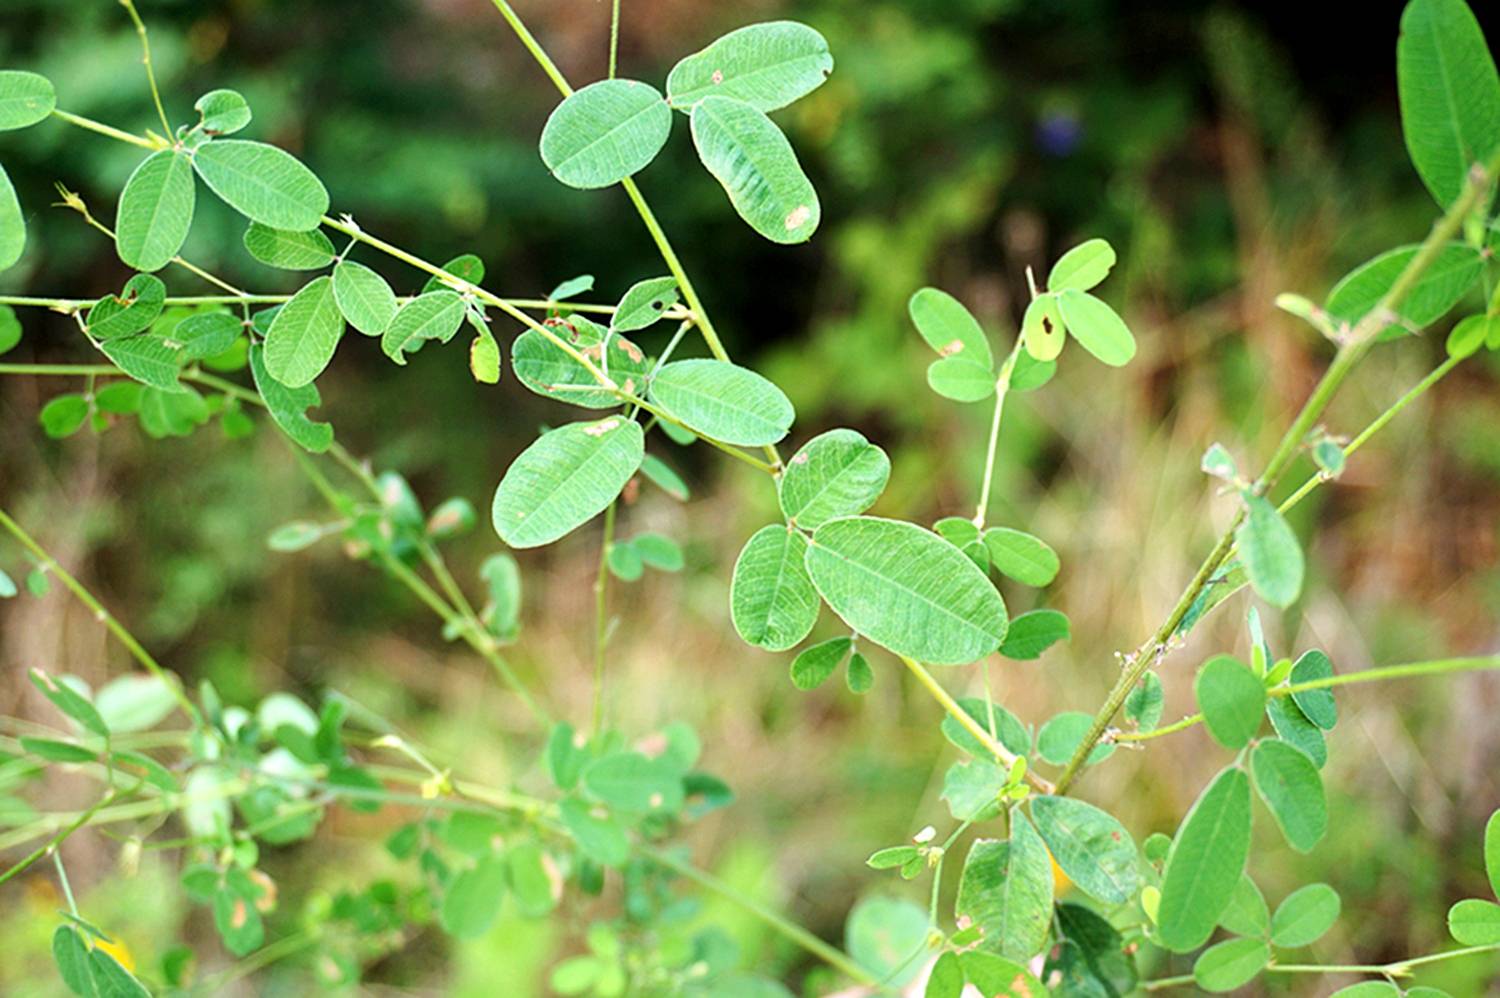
(631, 350)
(800, 459)
(602, 427)
(949, 349)
(798, 217)
(718, 76)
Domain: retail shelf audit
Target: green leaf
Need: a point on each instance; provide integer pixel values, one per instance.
(472, 902)
(906, 589)
(946, 979)
(1006, 890)
(1206, 862)
(1091, 958)
(1318, 705)
(599, 837)
(7, 586)
(754, 162)
(1034, 632)
(1230, 964)
(1027, 559)
(263, 183)
(129, 312)
(1450, 94)
(1082, 267)
(1013, 735)
(529, 880)
(659, 551)
(72, 703)
(364, 298)
(1440, 287)
(172, 413)
(435, 315)
(815, 663)
(1304, 915)
(629, 781)
(147, 358)
(1474, 922)
(723, 401)
(960, 379)
(838, 473)
(973, 789)
(1231, 698)
(950, 328)
(997, 977)
(1096, 327)
(308, 250)
(859, 677)
(605, 132)
(112, 979)
(768, 66)
(1270, 553)
(660, 474)
(1288, 782)
(1062, 734)
(222, 112)
(56, 751)
(1042, 328)
(156, 211)
(1492, 852)
(772, 601)
(466, 267)
(71, 954)
(1143, 704)
(288, 406)
(1468, 336)
(545, 368)
(10, 326)
(206, 334)
(564, 479)
(304, 334)
(884, 935)
(502, 614)
(1091, 847)
(1293, 727)
(644, 303)
(12, 225)
(25, 99)
(1368, 989)
(484, 354)
(1246, 913)
(135, 703)
(887, 859)
(63, 416)
(625, 562)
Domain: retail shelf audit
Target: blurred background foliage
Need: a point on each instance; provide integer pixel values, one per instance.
(1226, 149)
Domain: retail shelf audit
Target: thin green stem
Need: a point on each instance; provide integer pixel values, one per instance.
(601, 614)
(1355, 344)
(1396, 968)
(1002, 388)
(109, 130)
(62, 878)
(103, 616)
(835, 958)
(534, 304)
(140, 29)
(935, 690)
(614, 38)
(58, 839)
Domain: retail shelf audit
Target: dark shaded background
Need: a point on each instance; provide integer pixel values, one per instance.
(1229, 151)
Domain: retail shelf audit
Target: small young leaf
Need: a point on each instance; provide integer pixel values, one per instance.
(10, 326)
(754, 162)
(571, 287)
(222, 112)
(906, 589)
(658, 551)
(1042, 328)
(1304, 915)
(263, 183)
(1289, 784)
(644, 303)
(295, 536)
(625, 562)
(288, 406)
(1034, 632)
(1270, 553)
(1474, 922)
(1027, 559)
(1450, 94)
(723, 401)
(484, 356)
(949, 327)
(304, 334)
(605, 132)
(8, 588)
(1061, 736)
(1230, 964)
(364, 297)
(1468, 335)
(771, 598)
(435, 315)
(1218, 462)
(1081, 267)
(768, 66)
(960, 379)
(859, 676)
(1006, 890)
(564, 479)
(502, 614)
(1231, 698)
(599, 837)
(156, 211)
(1207, 859)
(1097, 327)
(1143, 704)
(660, 474)
(815, 663)
(285, 250)
(129, 312)
(1091, 847)
(1319, 704)
(63, 416)
(838, 473)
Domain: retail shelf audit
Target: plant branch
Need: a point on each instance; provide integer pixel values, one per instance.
(533, 304)
(1002, 388)
(140, 29)
(1355, 345)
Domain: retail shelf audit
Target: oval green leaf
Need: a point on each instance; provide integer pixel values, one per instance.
(286, 250)
(1091, 847)
(1231, 698)
(1027, 559)
(304, 334)
(1318, 705)
(1475, 922)
(754, 162)
(723, 401)
(545, 368)
(263, 183)
(960, 379)
(605, 132)
(435, 315)
(1440, 287)
(949, 327)
(765, 65)
(1304, 915)
(1006, 890)
(1289, 784)
(771, 598)
(1097, 327)
(128, 312)
(25, 99)
(838, 473)
(364, 298)
(1270, 553)
(565, 479)
(1230, 964)
(156, 211)
(1206, 861)
(906, 589)
(1034, 632)
(12, 224)
(1081, 267)
(1042, 328)
(644, 303)
(222, 112)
